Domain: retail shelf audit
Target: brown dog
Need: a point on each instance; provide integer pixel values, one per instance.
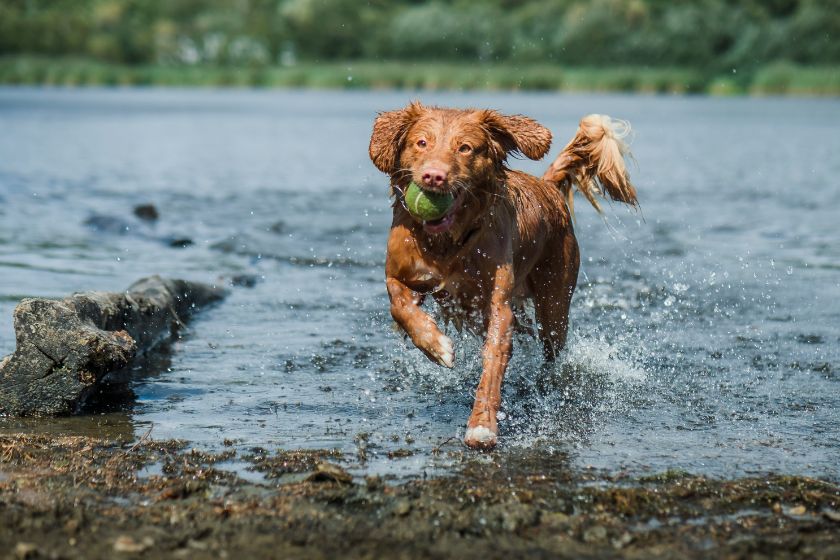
(508, 236)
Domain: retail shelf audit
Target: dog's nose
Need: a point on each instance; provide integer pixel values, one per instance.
(434, 177)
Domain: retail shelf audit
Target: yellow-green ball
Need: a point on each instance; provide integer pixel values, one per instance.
(425, 205)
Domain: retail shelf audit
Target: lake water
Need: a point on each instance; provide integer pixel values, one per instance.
(705, 329)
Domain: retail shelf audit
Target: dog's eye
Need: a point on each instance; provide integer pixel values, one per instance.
(421, 143)
(465, 148)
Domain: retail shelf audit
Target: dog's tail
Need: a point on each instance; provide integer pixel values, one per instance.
(594, 163)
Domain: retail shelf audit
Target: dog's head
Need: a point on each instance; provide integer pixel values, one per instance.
(452, 150)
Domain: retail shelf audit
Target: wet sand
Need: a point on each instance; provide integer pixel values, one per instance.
(83, 497)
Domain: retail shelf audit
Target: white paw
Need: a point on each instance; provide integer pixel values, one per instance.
(438, 347)
(446, 351)
(480, 436)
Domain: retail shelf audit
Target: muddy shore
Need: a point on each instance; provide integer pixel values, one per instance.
(82, 497)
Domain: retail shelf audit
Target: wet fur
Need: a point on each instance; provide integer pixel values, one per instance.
(511, 238)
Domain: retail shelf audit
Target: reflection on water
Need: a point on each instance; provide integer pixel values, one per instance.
(705, 329)
(114, 426)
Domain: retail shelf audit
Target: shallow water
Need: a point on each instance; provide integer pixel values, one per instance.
(705, 329)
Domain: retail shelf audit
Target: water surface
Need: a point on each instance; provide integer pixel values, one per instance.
(704, 329)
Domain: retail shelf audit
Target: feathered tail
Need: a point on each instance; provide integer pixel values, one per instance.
(594, 162)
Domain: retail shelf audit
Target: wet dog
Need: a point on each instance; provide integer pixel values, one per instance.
(508, 235)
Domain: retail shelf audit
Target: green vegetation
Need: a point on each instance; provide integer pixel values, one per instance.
(714, 46)
(774, 80)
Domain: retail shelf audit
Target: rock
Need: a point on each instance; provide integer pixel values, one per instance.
(243, 280)
(25, 550)
(400, 453)
(795, 511)
(125, 543)
(622, 541)
(183, 489)
(328, 472)
(373, 482)
(555, 520)
(515, 516)
(142, 228)
(178, 242)
(108, 224)
(594, 534)
(402, 507)
(68, 349)
(146, 212)
(831, 515)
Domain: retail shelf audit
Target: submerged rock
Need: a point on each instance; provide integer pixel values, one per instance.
(102, 223)
(144, 227)
(146, 212)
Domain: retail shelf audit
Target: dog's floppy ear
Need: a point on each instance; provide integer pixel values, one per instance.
(518, 133)
(389, 131)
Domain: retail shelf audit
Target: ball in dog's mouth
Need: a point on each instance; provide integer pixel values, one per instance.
(427, 205)
(442, 225)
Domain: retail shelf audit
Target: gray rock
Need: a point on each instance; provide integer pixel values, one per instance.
(67, 348)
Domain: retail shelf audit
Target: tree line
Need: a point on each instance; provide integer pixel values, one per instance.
(709, 35)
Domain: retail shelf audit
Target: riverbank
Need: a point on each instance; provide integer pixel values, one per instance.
(777, 79)
(82, 497)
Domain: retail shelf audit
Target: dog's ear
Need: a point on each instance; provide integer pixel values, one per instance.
(517, 133)
(389, 131)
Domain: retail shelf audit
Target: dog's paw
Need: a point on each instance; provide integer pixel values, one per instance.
(446, 351)
(439, 348)
(480, 437)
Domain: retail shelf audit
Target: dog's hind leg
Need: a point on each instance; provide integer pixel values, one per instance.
(552, 283)
(522, 323)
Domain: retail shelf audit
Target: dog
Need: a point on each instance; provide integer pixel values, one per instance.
(507, 237)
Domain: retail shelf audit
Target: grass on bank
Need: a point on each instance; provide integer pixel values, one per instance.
(778, 79)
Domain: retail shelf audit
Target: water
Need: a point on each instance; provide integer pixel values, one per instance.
(705, 329)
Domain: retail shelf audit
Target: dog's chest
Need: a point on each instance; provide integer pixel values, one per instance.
(459, 282)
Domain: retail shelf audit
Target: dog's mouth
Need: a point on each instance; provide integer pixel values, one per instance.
(443, 224)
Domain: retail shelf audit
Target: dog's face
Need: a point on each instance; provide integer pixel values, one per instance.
(450, 150)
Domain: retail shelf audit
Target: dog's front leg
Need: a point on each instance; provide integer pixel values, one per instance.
(481, 428)
(422, 329)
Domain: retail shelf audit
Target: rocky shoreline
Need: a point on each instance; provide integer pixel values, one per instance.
(84, 497)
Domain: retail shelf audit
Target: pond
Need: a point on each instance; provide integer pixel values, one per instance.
(705, 328)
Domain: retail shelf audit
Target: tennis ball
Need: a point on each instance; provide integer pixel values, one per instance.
(425, 205)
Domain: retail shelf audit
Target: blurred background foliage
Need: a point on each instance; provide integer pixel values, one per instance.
(714, 45)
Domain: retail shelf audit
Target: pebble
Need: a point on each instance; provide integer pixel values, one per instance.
(329, 472)
(126, 543)
(595, 534)
(25, 550)
(402, 508)
(796, 510)
(622, 541)
(147, 212)
(831, 515)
